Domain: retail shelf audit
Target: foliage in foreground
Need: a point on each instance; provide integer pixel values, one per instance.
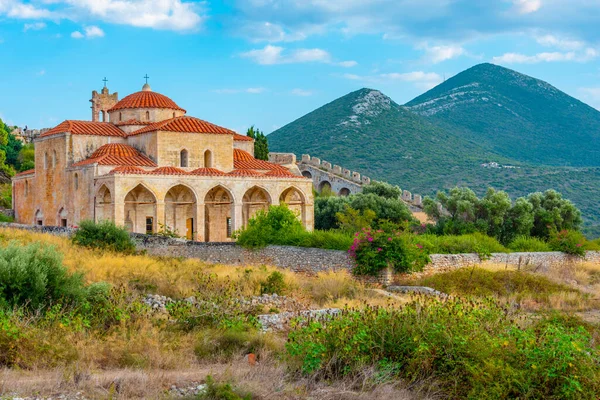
(104, 235)
(280, 226)
(472, 349)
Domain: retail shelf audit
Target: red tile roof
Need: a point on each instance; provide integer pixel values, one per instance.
(244, 160)
(242, 138)
(132, 122)
(244, 172)
(281, 173)
(28, 172)
(207, 172)
(168, 171)
(85, 128)
(146, 99)
(184, 124)
(127, 170)
(117, 154)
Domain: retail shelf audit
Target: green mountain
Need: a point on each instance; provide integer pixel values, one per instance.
(515, 115)
(442, 138)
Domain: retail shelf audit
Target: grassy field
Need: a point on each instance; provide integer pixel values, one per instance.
(139, 353)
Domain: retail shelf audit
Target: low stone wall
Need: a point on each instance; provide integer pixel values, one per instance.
(297, 259)
(308, 260)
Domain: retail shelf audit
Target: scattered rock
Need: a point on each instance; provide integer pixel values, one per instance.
(279, 322)
(194, 390)
(416, 289)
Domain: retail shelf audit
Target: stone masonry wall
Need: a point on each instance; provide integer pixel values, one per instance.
(306, 260)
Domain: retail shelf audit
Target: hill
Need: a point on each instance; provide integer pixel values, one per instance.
(424, 147)
(515, 115)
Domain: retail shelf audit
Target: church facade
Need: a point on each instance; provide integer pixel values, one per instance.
(143, 163)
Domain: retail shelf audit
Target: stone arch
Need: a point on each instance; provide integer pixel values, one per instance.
(218, 214)
(307, 174)
(62, 217)
(344, 192)
(208, 159)
(184, 158)
(140, 210)
(324, 185)
(103, 205)
(296, 201)
(180, 211)
(255, 199)
(39, 218)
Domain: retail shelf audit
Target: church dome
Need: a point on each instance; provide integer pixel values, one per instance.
(146, 99)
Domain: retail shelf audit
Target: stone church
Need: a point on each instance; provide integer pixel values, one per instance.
(142, 163)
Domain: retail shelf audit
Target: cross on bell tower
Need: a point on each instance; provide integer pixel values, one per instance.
(104, 80)
(102, 102)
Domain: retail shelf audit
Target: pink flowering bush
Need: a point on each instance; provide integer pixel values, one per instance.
(374, 250)
(570, 242)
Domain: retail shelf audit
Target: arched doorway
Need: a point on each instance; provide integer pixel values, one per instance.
(104, 205)
(180, 211)
(256, 199)
(307, 174)
(325, 186)
(295, 201)
(62, 218)
(344, 192)
(140, 210)
(218, 212)
(39, 218)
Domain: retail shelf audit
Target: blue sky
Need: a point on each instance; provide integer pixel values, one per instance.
(268, 62)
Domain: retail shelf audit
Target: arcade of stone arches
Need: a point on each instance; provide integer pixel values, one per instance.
(213, 219)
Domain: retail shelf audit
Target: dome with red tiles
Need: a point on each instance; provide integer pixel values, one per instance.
(146, 99)
(115, 149)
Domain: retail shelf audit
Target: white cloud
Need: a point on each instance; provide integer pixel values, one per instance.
(586, 55)
(36, 26)
(89, 32)
(527, 6)
(174, 15)
(560, 43)
(348, 64)
(302, 92)
(437, 54)
(271, 55)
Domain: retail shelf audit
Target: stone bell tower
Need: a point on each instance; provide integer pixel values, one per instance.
(102, 102)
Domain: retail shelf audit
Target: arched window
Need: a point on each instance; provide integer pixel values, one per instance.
(54, 161)
(147, 115)
(76, 181)
(183, 158)
(45, 160)
(26, 188)
(208, 160)
(173, 115)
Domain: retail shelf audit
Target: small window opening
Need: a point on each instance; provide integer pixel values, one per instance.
(54, 160)
(26, 188)
(183, 158)
(149, 225)
(173, 115)
(76, 182)
(45, 160)
(40, 222)
(147, 115)
(63, 222)
(208, 160)
(229, 227)
(120, 116)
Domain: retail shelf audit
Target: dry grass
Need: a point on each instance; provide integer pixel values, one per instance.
(268, 380)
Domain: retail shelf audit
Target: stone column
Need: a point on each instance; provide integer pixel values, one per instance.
(238, 220)
(160, 216)
(119, 213)
(200, 221)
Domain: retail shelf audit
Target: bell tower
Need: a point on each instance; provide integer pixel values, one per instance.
(102, 102)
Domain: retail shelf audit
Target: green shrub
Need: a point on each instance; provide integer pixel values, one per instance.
(5, 218)
(481, 283)
(104, 235)
(33, 276)
(222, 391)
(471, 349)
(274, 284)
(280, 226)
(375, 250)
(226, 344)
(592, 245)
(570, 242)
(471, 243)
(529, 244)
